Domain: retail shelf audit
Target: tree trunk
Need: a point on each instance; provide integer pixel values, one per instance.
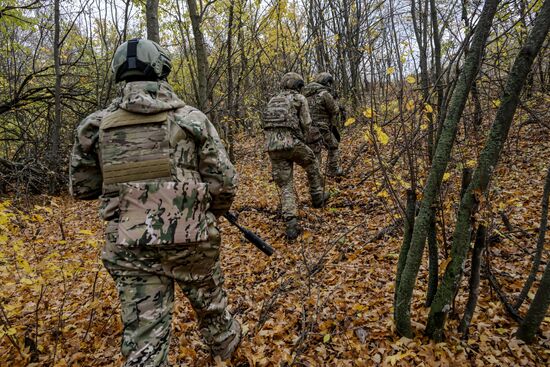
(441, 159)
(230, 101)
(537, 311)
(56, 128)
(482, 175)
(202, 57)
(540, 244)
(408, 227)
(475, 270)
(152, 19)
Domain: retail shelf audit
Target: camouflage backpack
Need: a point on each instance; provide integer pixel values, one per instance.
(317, 107)
(281, 113)
(154, 207)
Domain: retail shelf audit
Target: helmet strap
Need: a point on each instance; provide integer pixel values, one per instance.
(131, 55)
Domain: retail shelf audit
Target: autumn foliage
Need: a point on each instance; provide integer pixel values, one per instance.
(325, 299)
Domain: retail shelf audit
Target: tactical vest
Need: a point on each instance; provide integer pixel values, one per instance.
(134, 147)
(281, 113)
(154, 208)
(317, 109)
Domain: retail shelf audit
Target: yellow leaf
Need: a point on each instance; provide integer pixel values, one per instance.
(410, 105)
(471, 163)
(428, 108)
(11, 331)
(37, 218)
(410, 79)
(85, 231)
(24, 264)
(3, 239)
(383, 194)
(27, 281)
(381, 135)
(390, 70)
(349, 121)
(446, 176)
(443, 265)
(495, 103)
(397, 357)
(326, 338)
(368, 113)
(423, 126)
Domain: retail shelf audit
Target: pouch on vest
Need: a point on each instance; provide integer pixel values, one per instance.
(163, 213)
(134, 147)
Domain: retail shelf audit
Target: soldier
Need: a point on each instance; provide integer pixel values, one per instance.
(164, 177)
(286, 123)
(324, 113)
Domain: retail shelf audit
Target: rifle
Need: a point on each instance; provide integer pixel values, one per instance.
(249, 235)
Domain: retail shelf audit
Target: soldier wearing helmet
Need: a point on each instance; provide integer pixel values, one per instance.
(324, 113)
(163, 177)
(286, 123)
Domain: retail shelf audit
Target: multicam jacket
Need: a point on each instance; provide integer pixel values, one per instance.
(280, 137)
(322, 107)
(157, 165)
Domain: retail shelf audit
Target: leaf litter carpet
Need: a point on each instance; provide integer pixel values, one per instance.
(322, 300)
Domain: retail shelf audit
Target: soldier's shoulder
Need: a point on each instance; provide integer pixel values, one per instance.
(325, 93)
(300, 97)
(91, 122)
(191, 118)
(190, 114)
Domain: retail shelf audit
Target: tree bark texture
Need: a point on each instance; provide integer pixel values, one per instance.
(475, 271)
(201, 54)
(537, 310)
(540, 244)
(410, 212)
(230, 101)
(152, 20)
(433, 260)
(54, 162)
(482, 175)
(441, 159)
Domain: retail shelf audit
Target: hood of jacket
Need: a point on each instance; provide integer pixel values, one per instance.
(313, 88)
(148, 97)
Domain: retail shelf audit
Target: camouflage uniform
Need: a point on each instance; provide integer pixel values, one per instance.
(162, 183)
(324, 112)
(285, 146)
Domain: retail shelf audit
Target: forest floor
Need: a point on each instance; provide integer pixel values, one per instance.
(323, 300)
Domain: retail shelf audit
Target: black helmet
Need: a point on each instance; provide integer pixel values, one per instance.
(140, 59)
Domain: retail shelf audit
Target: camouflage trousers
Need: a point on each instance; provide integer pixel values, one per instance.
(282, 165)
(145, 278)
(330, 143)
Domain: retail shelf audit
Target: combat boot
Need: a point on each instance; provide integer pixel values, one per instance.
(319, 200)
(292, 229)
(228, 347)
